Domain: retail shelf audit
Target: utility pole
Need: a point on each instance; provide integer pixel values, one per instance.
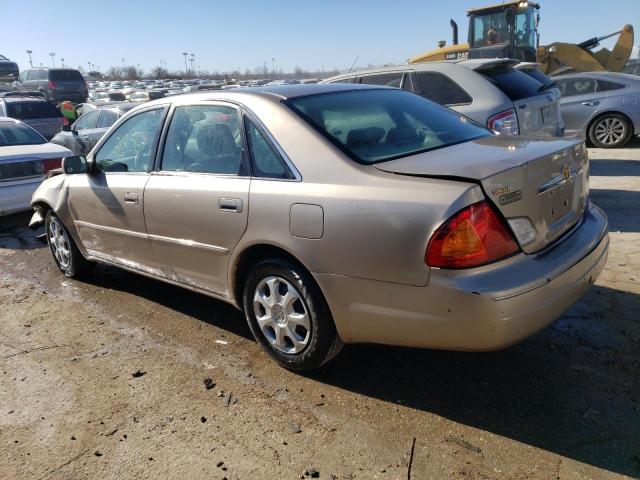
(29, 52)
(186, 69)
(52, 55)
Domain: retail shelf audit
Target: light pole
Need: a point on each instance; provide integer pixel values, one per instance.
(193, 68)
(62, 60)
(52, 55)
(186, 69)
(29, 52)
(89, 64)
(273, 63)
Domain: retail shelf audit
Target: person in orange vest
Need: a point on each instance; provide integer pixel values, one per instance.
(68, 111)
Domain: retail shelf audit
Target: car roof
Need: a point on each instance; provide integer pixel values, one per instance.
(474, 64)
(22, 98)
(282, 92)
(623, 77)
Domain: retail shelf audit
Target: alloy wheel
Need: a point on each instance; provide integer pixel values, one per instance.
(610, 131)
(59, 243)
(282, 315)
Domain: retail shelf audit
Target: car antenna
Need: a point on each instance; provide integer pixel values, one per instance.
(354, 63)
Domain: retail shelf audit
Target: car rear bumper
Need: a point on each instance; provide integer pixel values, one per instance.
(485, 308)
(17, 198)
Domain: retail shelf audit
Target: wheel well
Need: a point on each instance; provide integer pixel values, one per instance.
(250, 257)
(612, 112)
(43, 207)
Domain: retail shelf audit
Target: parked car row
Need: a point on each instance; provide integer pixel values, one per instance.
(470, 240)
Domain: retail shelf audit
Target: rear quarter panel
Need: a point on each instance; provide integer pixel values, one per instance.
(376, 225)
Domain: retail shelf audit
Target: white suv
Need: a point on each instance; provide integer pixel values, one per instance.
(490, 91)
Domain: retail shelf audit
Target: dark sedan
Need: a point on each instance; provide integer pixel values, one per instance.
(85, 132)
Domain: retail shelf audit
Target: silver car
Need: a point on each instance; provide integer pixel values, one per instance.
(36, 112)
(603, 107)
(490, 91)
(336, 214)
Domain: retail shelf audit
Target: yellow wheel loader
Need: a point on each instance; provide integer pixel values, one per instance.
(510, 30)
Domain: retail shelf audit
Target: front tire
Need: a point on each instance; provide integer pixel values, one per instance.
(63, 249)
(610, 130)
(289, 316)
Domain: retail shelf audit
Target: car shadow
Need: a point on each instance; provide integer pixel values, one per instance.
(614, 168)
(15, 234)
(196, 305)
(570, 390)
(621, 207)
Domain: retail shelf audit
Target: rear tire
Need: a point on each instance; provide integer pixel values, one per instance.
(63, 249)
(289, 316)
(611, 130)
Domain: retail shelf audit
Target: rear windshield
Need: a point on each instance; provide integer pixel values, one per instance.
(514, 84)
(373, 126)
(65, 75)
(15, 134)
(31, 109)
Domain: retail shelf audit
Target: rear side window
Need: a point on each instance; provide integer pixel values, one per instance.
(605, 86)
(65, 75)
(344, 80)
(514, 84)
(267, 163)
(439, 88)
(31, 109)
(204, 139)
(385, 79)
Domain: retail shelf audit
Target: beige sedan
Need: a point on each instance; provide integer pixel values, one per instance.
(335, 214)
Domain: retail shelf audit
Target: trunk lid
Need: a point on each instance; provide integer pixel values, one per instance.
(544, 180)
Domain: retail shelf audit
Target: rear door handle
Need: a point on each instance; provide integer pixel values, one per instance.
(591, 104)
(130, 197)
(230, 204)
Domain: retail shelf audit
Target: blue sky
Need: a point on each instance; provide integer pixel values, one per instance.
(227, 35)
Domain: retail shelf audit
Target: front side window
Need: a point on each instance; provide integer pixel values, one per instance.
(130, 147)
(106, 119)
(267, 163)
(376, 125)
(441, 89)
(87, 121)
(204, 139)
(576, 86)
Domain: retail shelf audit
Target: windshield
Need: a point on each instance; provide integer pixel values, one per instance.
(374, 125)
(494, 28)
(12, 133)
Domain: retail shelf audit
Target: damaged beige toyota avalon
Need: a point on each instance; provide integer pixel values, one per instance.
(336, 214)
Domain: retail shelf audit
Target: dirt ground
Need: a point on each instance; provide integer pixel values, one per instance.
(104, 379)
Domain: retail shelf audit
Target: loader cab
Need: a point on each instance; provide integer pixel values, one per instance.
(508, 30)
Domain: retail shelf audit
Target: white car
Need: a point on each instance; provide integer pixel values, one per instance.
(25, 159)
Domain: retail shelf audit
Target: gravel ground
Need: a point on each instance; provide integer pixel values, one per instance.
(105, 378)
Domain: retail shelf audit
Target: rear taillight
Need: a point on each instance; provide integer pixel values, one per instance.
(505, 123)
(51, 84)
(51, 164)
(474, 236)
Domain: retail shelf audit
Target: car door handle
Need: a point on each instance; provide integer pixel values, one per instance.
(230, 204)
(591, 104)
(130, 197)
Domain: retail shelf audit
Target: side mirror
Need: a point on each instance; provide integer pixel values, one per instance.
(66, 128)
(75, 164)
